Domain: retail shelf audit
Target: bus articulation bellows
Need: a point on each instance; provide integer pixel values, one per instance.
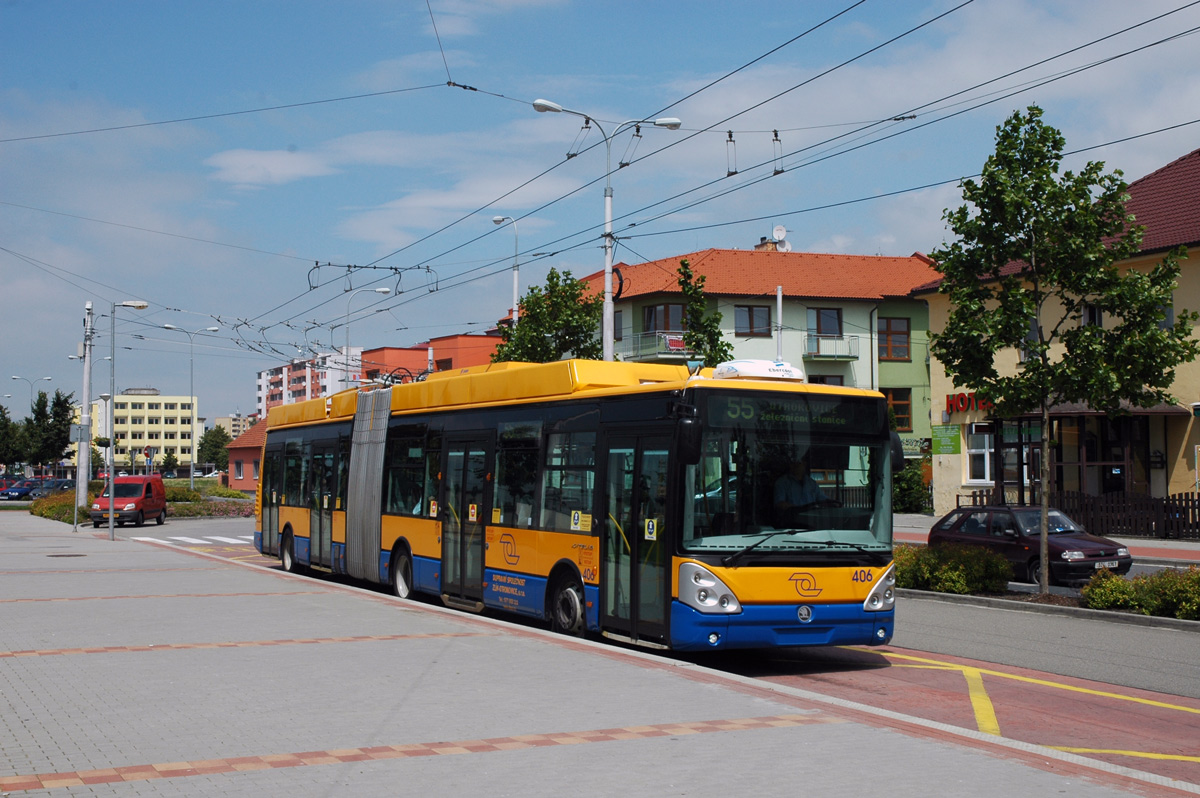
(730, 508)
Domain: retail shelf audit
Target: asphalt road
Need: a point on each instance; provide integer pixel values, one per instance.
(1130, 655)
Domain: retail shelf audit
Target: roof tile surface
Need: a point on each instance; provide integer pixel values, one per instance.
(755, 273)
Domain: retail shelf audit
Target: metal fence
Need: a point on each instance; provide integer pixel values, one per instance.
(1116, 514)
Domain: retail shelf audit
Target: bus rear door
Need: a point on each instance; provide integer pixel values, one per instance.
(465, 510)
(636, 579)
(324, 494)
(271, 491)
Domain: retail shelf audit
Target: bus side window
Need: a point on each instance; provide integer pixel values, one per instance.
(516, 481)
(568, 482)
(404, 471)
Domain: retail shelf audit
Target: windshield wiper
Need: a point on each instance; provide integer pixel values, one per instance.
(737, 555)
(831, 543)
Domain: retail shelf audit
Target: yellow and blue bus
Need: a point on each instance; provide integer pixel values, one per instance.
(641, 502)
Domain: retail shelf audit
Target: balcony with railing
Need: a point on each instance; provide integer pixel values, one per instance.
(660, 345)
(831, 347)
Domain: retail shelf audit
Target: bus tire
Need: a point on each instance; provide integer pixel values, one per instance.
(401, 574)
(566, 606)
(287, 555)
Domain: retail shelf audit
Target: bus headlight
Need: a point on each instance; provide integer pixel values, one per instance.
(883, 596)
(704, 592)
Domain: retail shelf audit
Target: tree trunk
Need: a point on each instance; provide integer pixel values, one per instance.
(1044, 548)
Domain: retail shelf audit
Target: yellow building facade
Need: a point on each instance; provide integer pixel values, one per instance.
(1148, 452)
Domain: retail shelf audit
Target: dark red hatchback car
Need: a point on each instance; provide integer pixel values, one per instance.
(1014, 532)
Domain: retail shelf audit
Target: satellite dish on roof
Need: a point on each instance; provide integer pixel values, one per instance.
(779, 233)
(783, 246)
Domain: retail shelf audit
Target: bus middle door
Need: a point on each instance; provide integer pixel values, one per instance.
(637, 553)
(465, 512)
(324, 494)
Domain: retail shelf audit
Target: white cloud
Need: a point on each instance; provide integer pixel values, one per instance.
(254, 168)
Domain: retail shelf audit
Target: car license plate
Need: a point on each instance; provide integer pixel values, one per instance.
(1109, 564)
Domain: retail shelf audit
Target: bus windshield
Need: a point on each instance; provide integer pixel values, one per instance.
(793, 474)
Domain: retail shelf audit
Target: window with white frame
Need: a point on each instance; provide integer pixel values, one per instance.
(980, 444)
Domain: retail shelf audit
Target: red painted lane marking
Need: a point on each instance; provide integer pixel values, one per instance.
(42, 572)
(44, 781)
(160, 596)
(55, 652)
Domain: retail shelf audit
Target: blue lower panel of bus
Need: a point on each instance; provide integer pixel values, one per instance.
(519, 593)
(258, 541)
(772, 625)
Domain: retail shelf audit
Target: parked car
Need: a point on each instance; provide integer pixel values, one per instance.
(1015, 532)
(20, 491)
(138, 499)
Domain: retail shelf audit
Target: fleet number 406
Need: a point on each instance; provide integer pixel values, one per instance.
(863, 576)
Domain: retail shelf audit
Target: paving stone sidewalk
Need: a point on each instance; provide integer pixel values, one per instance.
(130, 669)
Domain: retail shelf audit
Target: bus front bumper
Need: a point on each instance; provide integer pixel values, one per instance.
(773, 625)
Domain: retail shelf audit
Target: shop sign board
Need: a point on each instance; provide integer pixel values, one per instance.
(947, 439)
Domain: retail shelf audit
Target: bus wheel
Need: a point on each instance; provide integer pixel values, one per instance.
(566, 606)
(402, 575)
(287, 554)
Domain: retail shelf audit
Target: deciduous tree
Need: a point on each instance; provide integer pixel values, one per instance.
(557, 321)
(1036, 253)
(701, 329)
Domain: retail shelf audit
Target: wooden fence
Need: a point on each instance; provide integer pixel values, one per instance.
(1116, 514)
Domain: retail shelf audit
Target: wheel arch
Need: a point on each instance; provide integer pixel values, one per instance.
(563, 569)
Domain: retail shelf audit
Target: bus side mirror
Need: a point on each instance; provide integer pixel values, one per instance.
(687, 440)
(897, 454)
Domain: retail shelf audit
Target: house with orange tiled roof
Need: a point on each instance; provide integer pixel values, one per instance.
(847, 319)
(245, 455)
(1145, 453)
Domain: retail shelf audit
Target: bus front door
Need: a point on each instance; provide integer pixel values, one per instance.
(637, 555)
(323, 496)
(465, 510)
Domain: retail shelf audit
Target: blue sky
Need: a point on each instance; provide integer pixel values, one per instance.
(137, 160)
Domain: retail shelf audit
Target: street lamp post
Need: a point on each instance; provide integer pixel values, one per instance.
(83, 462)
(192, 393)
(516, 254)
(383, 290)
(31, 382)
(668, 122)
(136, 304)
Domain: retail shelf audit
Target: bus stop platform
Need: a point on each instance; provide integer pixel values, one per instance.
(129, 668)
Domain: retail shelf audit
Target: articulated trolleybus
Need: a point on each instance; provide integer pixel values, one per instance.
(730, 508)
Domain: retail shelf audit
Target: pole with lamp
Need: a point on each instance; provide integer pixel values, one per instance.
(31, 382)
(382, 291)
(516, 255)
(192, 392)
(668, 122)
(26, 379)
(136, 304)
(83, 470)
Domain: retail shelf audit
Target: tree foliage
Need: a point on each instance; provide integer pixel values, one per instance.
(48, 430)
(1035, 254)
(556, 321)
(11, 439)
(212, 447)
(1061, 240)
(701, 329)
